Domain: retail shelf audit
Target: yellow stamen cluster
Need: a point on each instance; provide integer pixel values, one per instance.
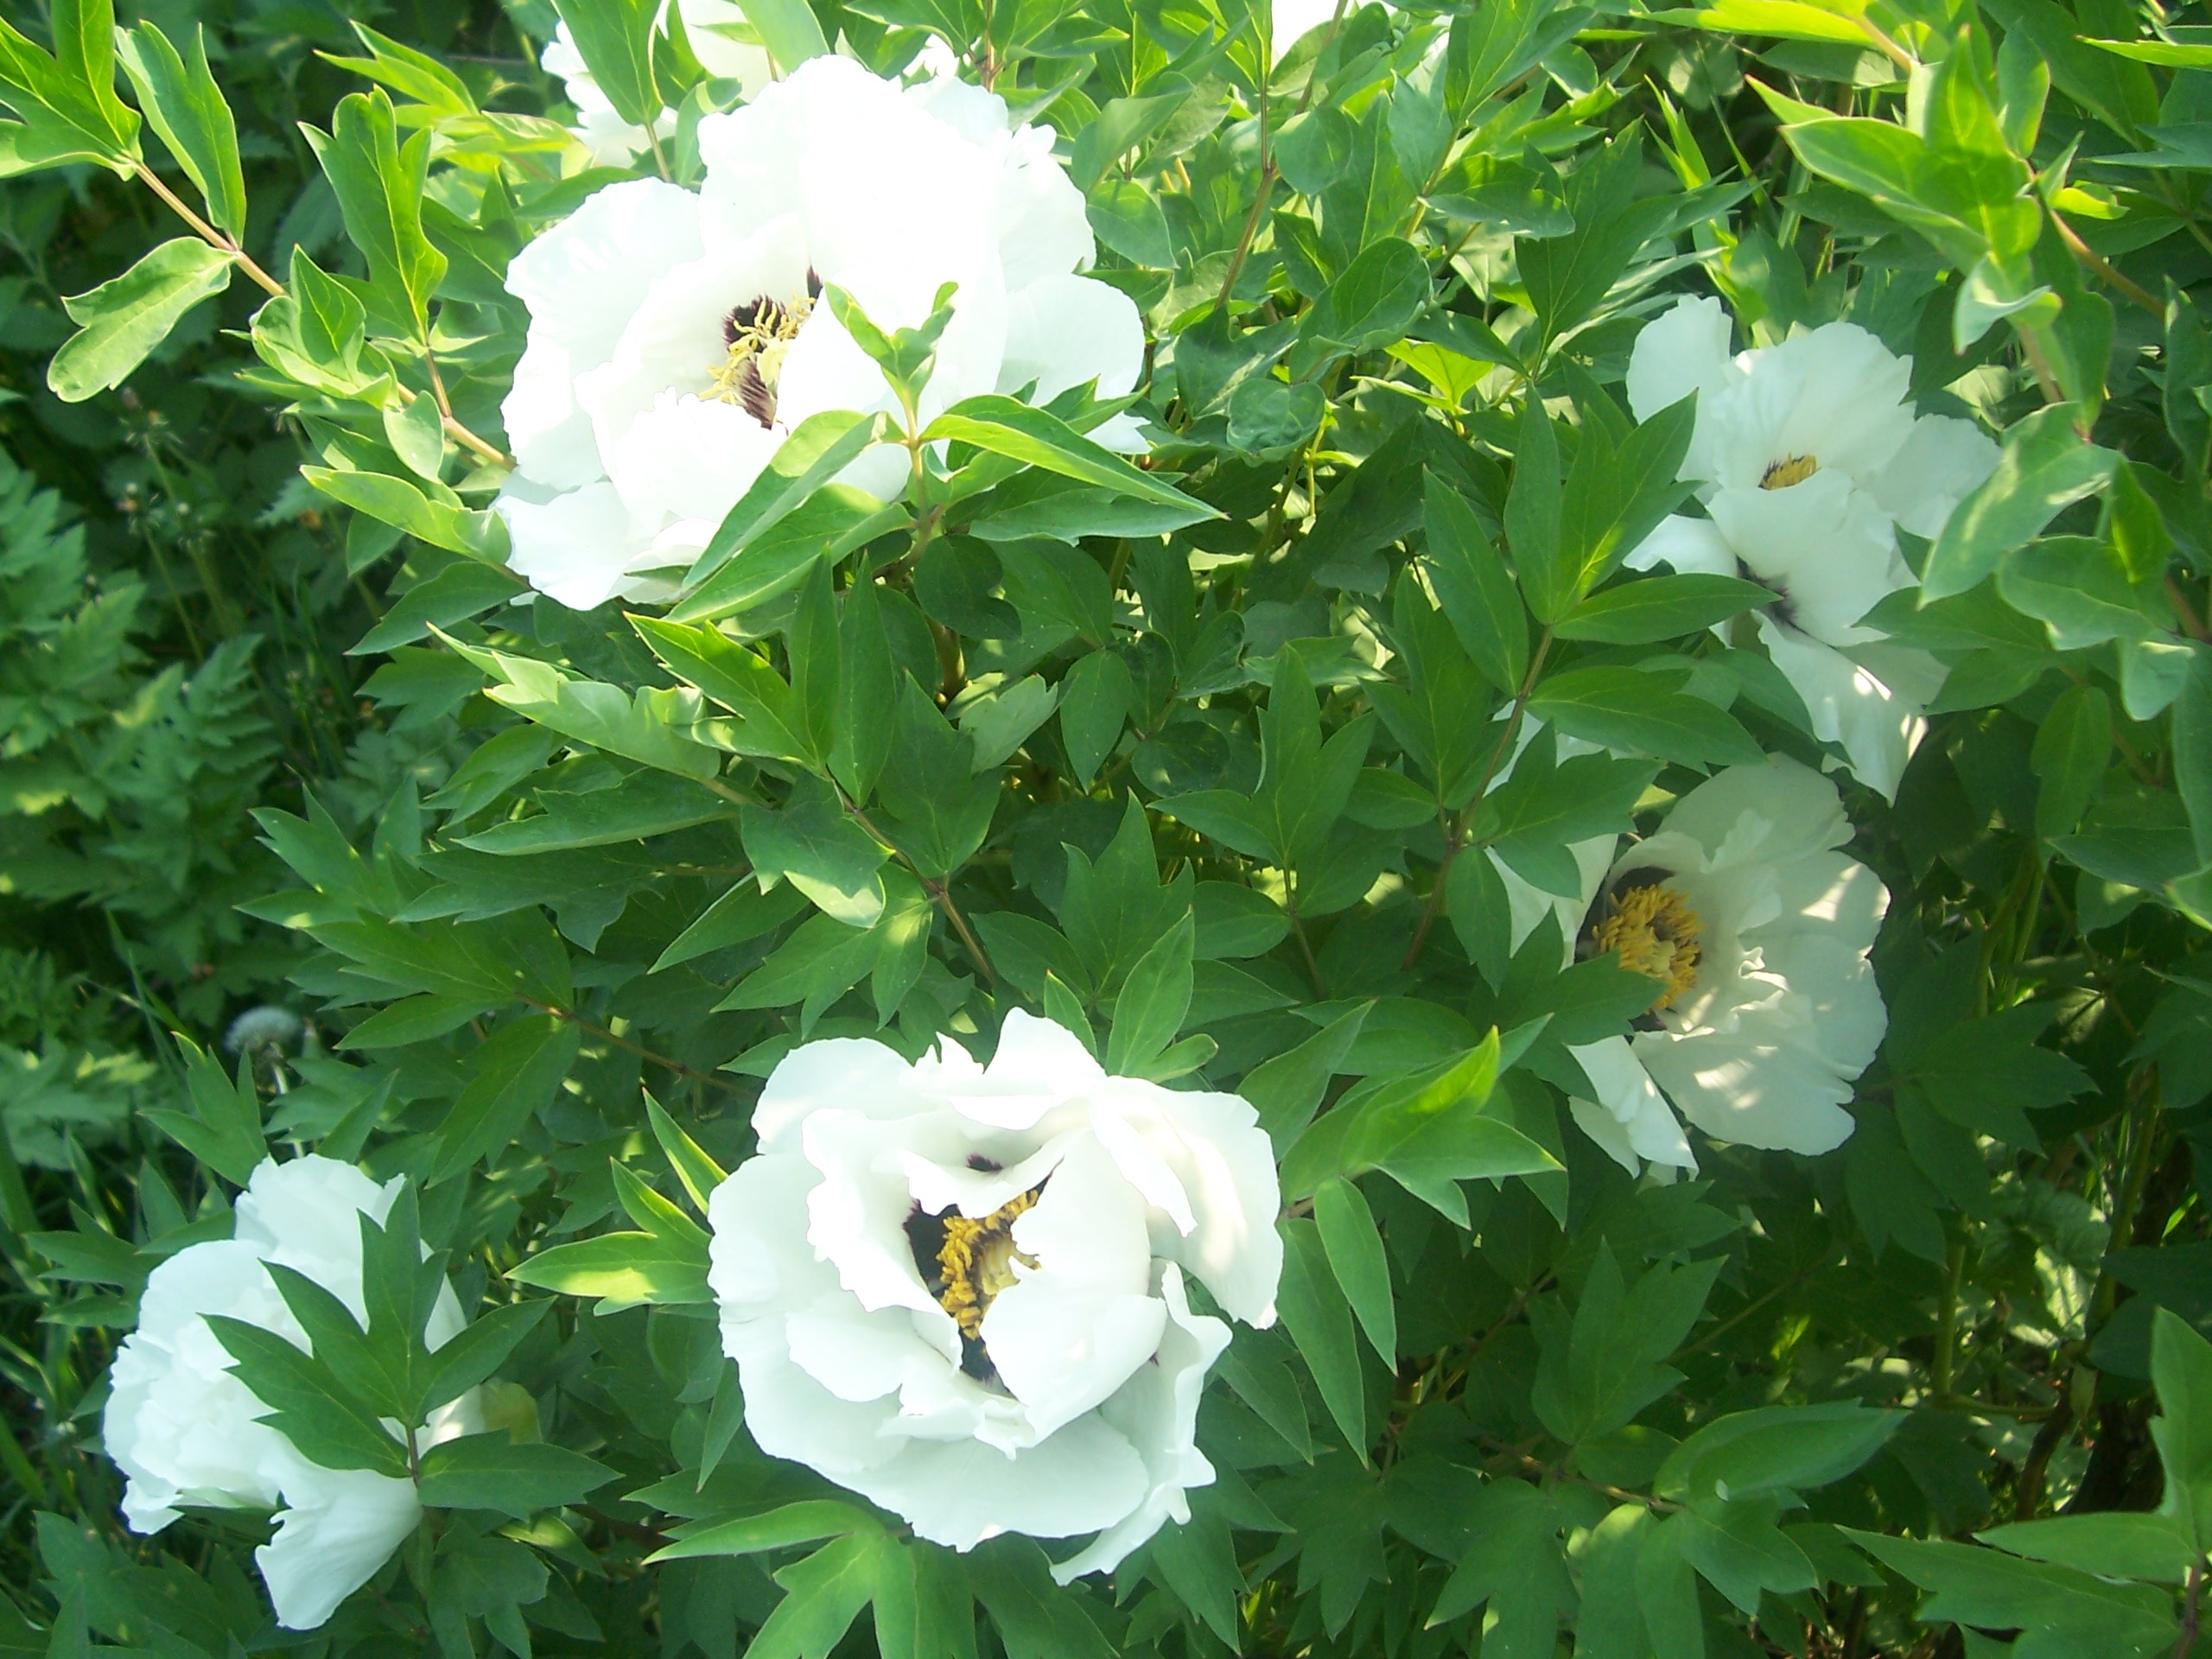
(976, 1261)
(758, 335)
(1655, 933)
(1782, 474)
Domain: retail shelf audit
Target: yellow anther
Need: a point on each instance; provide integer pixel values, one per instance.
(976, 1261)
(1656, 935)
(1782, 474)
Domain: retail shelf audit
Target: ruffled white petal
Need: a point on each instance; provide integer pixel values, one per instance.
(1070, 1409)
(832, 176)
(188, 1433)
(1877, 726)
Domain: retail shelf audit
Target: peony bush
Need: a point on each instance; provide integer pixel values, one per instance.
(1359, 830)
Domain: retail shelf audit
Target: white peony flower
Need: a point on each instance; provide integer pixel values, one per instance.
(675, 340)
(959, 1290)
(613, 141)
(1758, 929)
(187, 1433)
(1807, 459)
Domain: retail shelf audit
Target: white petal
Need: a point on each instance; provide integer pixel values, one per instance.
(549, 432)
(307, 1215)
(856, 1355)
(338, 1528)
(1637, 1119)
(1684, 545)
(583, 278)
(1798, 811)
(1823, 544)
(856, 1216)
(1851, 415)
(673, 340)
(759, 1261)
(847, 1072)
(1943, 462)
(1878, 728)
(1062, 331)
(1220, 1157)
(958, 1493)
(1038, 1065)
(576, 548)
(1759, 1094)
(690, 457)
(1157, 1410)
(1043, 229)
(1682, 351)
(1072, 1330)
(976, 114)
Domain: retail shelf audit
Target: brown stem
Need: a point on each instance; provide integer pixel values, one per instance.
(939, 890)
(213, 237)
(2191, 624)
(1456, 837)
(2192, 1611)
(651, 1538)
(1618, 1494)
(454, 428)
(1896, 53)
(2104, 267)
(592, 1027)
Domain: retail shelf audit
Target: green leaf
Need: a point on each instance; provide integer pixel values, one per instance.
(1654, 609)
(309, 1405)
(1514, 1562)
(649, 725)
(67, 98)
(813, 842)
(828, 525)
(224, 1128)
(1286, 1089)
(650, 804)
(2044, 466)
(787, 28)
(1475, 589)
(125, 318)
(1378, 298)
(806, 1522)
(2108, 1546)
(2181, 1372)
(511, 1077)
(820, 447)
(822, 1594)
(438, 519)
(1034, 1618)
(769, 722)
(1002, 426)
(1356, 1256)
(1319, 1322)
(1096, 696)
(615, 39)
(1532, 510)
(1149, 1010)
(1630, 708)
(622, 1268)
(481, 1349)
(699, 1174)
(741, 913)
(1602, 1369)
(2070, 752)
(2055, 1604)
(1784, 1450)
(186, 109)
(493, 1471)
(379, 183)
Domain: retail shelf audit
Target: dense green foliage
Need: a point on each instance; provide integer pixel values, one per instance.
(1202, 761)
